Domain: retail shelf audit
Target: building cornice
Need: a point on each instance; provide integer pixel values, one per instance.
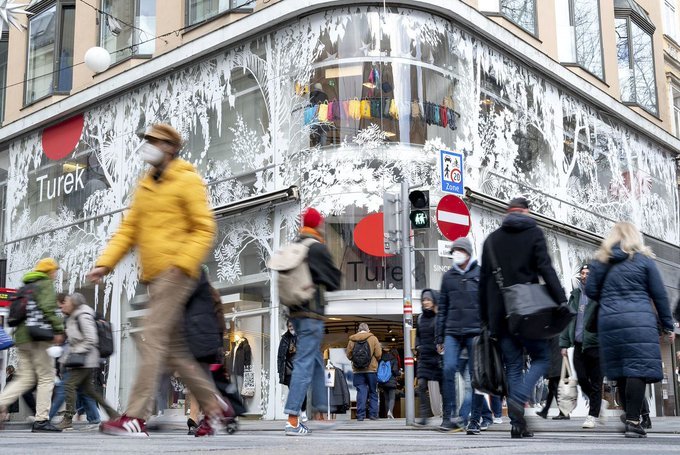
(268, 18)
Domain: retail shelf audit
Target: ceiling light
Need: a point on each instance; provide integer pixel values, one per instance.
(72, 167)
(370, 85)
(389, 329)
(344, 71)
(487, 101)
(394, 339)
(390, 134)
(335, 319)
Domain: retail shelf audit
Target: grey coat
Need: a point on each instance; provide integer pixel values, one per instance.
(81, 330)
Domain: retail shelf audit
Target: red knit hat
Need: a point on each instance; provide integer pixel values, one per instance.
(311, 218)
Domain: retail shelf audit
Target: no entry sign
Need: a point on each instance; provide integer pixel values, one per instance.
(453, 217)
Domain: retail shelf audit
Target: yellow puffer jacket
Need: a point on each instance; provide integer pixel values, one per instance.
(170, 222)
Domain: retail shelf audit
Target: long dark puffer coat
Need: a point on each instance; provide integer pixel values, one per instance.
(428, 365)
(458, 303)
(627, 325)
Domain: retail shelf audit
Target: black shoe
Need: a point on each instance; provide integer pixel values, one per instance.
(374, 418)
(560, 416)
(44, 426)
(543, 414)
(360, 419)
(645, 421)
(449, 426)
(517, 432)
(635, 430)
(192, 427)
(473, 427)
(516, 413)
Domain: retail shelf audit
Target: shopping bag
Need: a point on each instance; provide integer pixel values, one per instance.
(248, 387)
(488, 375)
(6, 341)
(567, 392)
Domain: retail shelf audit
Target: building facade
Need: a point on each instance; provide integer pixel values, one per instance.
(330, 105)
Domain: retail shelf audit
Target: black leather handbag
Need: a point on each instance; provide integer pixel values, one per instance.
(75, 360)
(530, 309)
(488, 374)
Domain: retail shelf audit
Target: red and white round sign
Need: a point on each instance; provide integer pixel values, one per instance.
(453, 217)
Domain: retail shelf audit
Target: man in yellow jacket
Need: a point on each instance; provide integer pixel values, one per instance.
(173, 228)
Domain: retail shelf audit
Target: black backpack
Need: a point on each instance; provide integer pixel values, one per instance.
(104, 335)
(19, 303)
(361, 354)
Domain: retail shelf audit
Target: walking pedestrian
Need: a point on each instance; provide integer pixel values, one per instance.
(626, 282)
(429, 360)
(173, 228)
(285, 356)
(308, 321)
(28, 396)
(458, 322)
(586, 349)
(364, 351)
(35, 365)
(553, 376)
(521, 252)
(81, 329)
(389, 386)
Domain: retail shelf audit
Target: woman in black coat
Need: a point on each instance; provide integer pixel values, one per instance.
(626, 282)
(429, 361)
(287, 350)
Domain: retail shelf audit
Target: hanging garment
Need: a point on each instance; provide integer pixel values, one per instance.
(448, 102)
(365, 109)
(355, 109)
(436, 117)
(428, 113)
(344, 105)
(310, 114)
(335, 110)
(416, 112)
(323, 112)
(386, 108)
(443, 116)
(452, 118)
(394, 110)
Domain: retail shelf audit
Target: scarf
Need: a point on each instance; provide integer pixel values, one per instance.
(311, 232)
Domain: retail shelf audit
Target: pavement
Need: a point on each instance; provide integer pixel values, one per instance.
(564, 437)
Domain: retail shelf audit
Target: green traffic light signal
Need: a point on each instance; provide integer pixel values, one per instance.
(420, 219)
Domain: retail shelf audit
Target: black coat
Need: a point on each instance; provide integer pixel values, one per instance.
(340, 401)
(394, 366)
(429, 360)
(458, 306)
(630, 297)
(522, 254)
(325, 275)
(202, 328)
(287, 348)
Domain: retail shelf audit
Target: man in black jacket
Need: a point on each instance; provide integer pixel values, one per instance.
(308, 320)
(519, 247)
(457, 324)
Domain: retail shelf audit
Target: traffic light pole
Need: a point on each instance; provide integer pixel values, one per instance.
(407, 306)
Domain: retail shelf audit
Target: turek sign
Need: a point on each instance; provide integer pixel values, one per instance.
(58, 142)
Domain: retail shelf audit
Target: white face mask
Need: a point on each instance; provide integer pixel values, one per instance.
(151, 154)
(459, 257)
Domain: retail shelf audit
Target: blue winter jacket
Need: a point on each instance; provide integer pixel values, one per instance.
(628, 330)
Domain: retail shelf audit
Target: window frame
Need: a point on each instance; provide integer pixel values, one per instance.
(134, 54)
(4, 38)
(58, 32)
(534, 32)
(673, 18)
(247, 8)
(645, 27)
(675, 110)
(577, 63)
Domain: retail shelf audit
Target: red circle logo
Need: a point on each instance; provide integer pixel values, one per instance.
(60, 140)
(369, 237)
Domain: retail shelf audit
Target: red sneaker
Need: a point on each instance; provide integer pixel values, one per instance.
(205, 428)
(125, 426)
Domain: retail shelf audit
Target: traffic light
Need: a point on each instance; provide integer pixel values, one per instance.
(420, 209)
(391, 230)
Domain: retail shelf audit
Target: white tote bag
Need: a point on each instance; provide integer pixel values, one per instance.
(567, 391)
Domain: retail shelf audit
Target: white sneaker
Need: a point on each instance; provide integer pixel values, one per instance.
(602, 419)
(303, 416)
(498, 420)
(589, 423)
(389, 415)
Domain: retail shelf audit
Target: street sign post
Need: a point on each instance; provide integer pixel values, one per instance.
(453, 217)
(451, 172)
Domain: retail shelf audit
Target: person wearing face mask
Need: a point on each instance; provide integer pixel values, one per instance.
(458, 322)
(173, 229)
(429, 361)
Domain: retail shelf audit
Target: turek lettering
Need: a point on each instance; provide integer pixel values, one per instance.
(64, 184)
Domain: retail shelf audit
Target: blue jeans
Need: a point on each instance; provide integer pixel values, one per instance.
(83, 401)
(452, 347)
(496, 409)
(308, 367)
(521, 383)
(367, 388)
(88, 405)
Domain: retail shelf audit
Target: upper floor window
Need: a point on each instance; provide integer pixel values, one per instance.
(675, 95)
(635, 54)
(4, 46)
(521, 12)
(670, 19)
(49, 68)
(128, 27)
(579, 20)
(200, 10)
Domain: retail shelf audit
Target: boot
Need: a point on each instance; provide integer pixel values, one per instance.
(517, 432)
(66, 423)
(635, 430)
(645, 422)
(192, 426)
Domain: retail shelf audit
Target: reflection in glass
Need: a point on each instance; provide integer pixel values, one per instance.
(137, 28)
(41, 40)
(635, 55)
(521, 12)
(67, 28)
(588, 35)
(3, 76)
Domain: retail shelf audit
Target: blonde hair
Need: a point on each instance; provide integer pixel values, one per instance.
(629, 239)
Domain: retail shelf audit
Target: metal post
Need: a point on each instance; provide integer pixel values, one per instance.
(407, 306)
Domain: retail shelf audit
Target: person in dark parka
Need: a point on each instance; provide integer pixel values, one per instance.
(626, 282)
(285, 356)
(522, 254)
(428, 367)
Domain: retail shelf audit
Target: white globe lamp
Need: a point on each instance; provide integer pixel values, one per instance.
(97, 59)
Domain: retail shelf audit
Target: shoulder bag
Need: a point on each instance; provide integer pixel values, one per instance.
(592, 323)
(530, 310)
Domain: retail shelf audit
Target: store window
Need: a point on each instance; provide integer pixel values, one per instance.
(128, 27)
(49, 67)
(4, 46)
(670, 19)
(201, 10)
(635, 53)
(521, 12)
(580, 21)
